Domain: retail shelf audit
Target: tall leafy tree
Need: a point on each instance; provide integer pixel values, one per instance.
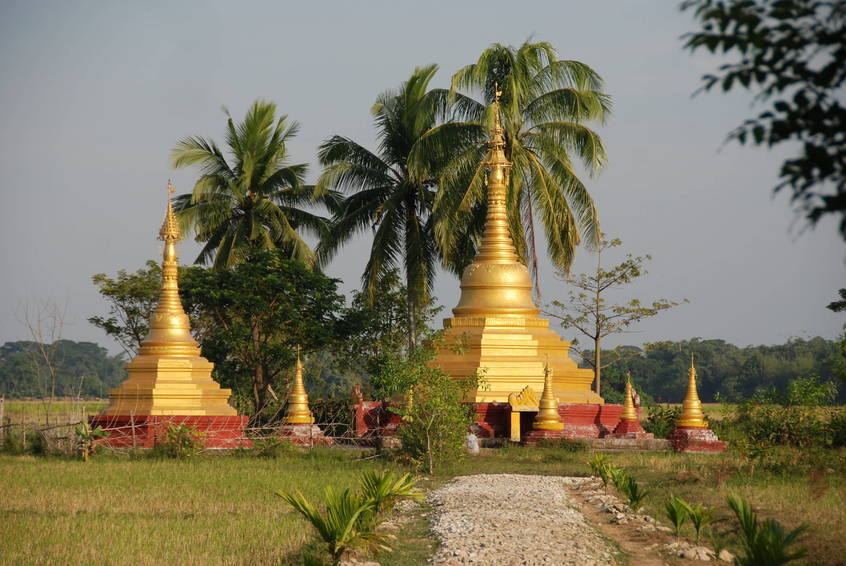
(543, 106)
(792, 55)
(256, 200)
(383, 197)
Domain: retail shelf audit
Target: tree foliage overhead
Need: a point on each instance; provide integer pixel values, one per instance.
(251, 318)
(792, 55)
(132, 299)
(255, 202)
(383, 198)
(544, 106)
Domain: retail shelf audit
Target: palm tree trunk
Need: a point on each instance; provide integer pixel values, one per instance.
(259, 385)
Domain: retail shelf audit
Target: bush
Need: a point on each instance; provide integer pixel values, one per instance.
(770, 425)
(662, 419)
(179, 441)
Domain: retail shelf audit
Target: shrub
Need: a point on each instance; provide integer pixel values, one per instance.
(765, 543)
(179, 441)
(435, 418)
(810, 392)
(662, 419)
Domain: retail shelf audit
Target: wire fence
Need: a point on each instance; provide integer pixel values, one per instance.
(44, 426)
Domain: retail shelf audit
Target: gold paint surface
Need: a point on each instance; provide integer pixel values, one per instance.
(548, 417)
(298, 411)
(692, 415)
(629, 413)
(496, 317)
(168, 376)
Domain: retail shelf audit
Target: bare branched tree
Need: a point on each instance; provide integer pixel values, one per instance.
(45, 320)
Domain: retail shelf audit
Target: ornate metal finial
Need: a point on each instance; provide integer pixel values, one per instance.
(170, 227)
(497, 92)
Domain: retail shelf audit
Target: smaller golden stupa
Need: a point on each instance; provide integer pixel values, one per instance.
(692, 416)
(298, 411)
(629, 412)
(548, 417)
(169, 377)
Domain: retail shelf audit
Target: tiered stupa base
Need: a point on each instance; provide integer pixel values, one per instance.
(145, 431)
(304, 435)
(690, 439)
(630, 429)
(170, 390)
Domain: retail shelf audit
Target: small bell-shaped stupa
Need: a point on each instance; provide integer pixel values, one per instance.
(507, 342)
(169, 382)
(692, 433)
(629, 426)
(298, 425)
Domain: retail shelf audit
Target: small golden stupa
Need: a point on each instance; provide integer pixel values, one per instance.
(168, 376)
(692, 416)
(629, 412)
(548, 417)
(507, 340)
(298, 411)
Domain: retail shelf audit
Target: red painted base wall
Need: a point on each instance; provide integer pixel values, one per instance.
(134, 431)
(581, 420)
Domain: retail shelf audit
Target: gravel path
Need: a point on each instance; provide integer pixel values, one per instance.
(509, 519)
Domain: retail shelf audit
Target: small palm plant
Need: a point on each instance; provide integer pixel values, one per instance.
(630, 488)
(600, 466)
(765, 543)
(677, 512)
(383, 489)
(344, 525)
(700, 517)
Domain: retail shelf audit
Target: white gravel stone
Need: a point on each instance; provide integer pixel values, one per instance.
(509, 519)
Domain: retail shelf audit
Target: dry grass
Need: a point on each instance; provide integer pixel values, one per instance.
(219, 510)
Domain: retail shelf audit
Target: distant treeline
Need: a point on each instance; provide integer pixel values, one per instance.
(660, 369)
(81, 369)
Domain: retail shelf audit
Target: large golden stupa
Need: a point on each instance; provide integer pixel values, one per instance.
(169, 377)
(507, 342)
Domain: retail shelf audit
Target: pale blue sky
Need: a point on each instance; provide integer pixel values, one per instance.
(94, 95)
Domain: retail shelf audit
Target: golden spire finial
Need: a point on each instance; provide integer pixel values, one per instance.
(629, 413)
(497, 245)
(170, 227)
(692, 416)
(298, 411)
(548, 417)
(170, 330)
(497, 92)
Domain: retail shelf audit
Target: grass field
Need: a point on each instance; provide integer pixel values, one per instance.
(222, 509)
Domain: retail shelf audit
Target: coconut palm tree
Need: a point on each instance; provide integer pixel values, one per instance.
(256, 202)
(543, 104)
(383, 198)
